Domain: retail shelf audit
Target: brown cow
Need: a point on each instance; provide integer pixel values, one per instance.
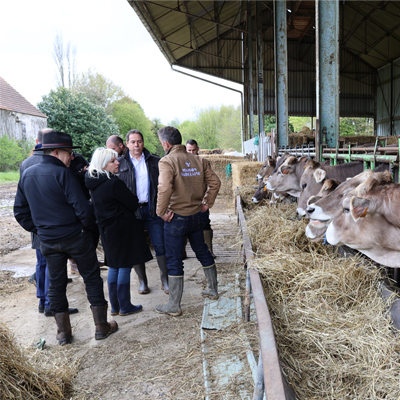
(287, 177)
(315, 174)
(370, 224)
(261, 193)
(316, 229)
(323, 210)
(267, 169)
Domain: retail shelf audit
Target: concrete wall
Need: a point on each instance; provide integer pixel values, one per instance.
(20, 126)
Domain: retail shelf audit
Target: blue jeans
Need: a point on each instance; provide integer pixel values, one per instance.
(155, 228)
(81, 249)
(175, 234)
(42, 279)
(120, 276)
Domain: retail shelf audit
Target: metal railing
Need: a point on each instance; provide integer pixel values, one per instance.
(273, 384)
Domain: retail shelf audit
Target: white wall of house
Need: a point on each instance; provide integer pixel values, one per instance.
(20, 126)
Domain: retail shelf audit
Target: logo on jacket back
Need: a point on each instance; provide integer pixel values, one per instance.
(189, 171)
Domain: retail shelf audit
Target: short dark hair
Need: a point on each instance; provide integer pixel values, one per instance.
(170, 134)
(116, 140)
(133, 131)
(192, 142)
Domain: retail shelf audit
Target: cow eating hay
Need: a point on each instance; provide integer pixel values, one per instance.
(334, 336)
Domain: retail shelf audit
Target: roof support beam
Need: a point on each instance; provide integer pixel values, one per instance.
(260, 68)
(327, 57)
(281, 72)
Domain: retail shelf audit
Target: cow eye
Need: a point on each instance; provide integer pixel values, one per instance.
(304, 185)
(346, 210)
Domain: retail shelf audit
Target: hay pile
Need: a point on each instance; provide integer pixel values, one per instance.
(244, 173)
(304, 136)
(219, 165)
(334, 339)
(24, 378)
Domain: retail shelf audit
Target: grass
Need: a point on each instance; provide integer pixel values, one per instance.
(9, 177)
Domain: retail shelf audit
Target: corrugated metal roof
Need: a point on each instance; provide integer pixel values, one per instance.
(11, 100)
(207, 36)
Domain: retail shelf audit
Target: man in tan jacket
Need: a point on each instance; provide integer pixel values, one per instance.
(187, 187)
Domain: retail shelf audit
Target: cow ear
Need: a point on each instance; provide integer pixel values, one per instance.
(319, 175)
(359, 207)
(313, 199)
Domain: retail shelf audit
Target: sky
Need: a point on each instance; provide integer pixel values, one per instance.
(111, 40)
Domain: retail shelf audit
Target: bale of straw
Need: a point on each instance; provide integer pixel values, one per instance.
(244, 173)
(219, 165)
(334, 336)
(357, 139)
(25, 378)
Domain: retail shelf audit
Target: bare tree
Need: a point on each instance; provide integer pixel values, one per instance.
(65, 61)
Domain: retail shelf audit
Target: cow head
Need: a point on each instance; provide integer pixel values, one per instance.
(322, 210)
(267, 168)
(369, 224)
(285, 179)
(310, 183)
(260, 194)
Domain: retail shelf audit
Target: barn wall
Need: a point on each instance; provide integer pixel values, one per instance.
(20, 126)
(386, 91)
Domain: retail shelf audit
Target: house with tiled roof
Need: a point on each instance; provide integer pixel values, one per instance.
(19, 119)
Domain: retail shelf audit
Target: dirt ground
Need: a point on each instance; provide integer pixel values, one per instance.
(151, 356)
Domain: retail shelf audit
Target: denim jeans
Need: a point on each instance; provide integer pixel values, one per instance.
(81, 249)
(155, 228)
(175, 234)
(42, 279)
(119, 276)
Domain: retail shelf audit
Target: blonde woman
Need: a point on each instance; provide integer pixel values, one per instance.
(122, 237)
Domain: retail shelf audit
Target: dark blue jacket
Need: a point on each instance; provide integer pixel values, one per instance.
(50, 202)
(127, 174)
(34, 159)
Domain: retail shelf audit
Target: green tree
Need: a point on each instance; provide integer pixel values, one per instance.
(74, 113)
(98, 89)
(13, 152)
(230, 127)
(155, 126)
(128, 115)
(189, 130)
(207, 125)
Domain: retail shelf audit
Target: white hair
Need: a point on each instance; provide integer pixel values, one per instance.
(101, 157)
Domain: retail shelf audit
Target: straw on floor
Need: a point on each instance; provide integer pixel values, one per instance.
(335, 338)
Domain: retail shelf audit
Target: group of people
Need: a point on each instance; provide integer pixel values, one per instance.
(124, 191)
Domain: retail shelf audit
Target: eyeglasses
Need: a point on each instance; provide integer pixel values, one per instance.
(71, 152)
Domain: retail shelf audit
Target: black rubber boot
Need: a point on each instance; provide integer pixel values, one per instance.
(208, 237)
(211, 275)
(140, 270)
(162, 263)
(103, 328)
(175, 295)
(64, 332)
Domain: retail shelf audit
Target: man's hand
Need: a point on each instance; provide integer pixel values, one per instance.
(204, 208)
(167, 217)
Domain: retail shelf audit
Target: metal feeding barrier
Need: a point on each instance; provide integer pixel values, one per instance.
(270, 378)
(380, 153)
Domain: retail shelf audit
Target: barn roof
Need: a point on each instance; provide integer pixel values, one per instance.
(11, 100)
(206, 36)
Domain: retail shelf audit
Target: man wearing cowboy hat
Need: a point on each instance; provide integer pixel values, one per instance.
(51, 203)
